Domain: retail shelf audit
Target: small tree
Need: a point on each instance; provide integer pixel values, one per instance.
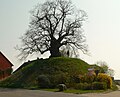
(111, 72)
(43, 81)
(105, 68)
(54, 24)
(103, 65)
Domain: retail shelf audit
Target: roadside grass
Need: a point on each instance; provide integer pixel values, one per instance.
(83, 91)
(74, 91)
(114, 88)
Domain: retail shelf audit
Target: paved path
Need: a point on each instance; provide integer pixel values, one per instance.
(39, 93)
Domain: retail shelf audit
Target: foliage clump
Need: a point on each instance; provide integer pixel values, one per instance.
(43, 81)
(99, 85)
(105, 78)
(94, 81)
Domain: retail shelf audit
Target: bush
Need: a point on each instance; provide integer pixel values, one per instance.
(88, 78)
(105, 78)
(79, 86)
(93, 86)
(87, 86)
(83, 86)
(43, 81)
(99, 86)
(114, 86)
(58, 78)
(70, 85)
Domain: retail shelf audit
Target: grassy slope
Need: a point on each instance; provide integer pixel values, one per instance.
(27, 74)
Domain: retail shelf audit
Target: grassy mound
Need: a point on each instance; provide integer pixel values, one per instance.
(57, 70)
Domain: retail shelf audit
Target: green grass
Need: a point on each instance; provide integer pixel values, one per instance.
(57, 69)
(26, 75)
(83, 91)
(51, 90)
(77, 91)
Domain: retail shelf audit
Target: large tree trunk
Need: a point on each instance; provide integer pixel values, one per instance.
(54, 49)
(55, 52)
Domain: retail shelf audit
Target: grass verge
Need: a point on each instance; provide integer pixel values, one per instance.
(78, 91)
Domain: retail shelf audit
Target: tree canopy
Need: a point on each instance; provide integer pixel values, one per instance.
(54, 25)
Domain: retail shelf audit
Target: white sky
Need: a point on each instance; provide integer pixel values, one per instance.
(102, 29)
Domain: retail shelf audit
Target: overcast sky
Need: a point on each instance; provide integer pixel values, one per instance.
(102, 29)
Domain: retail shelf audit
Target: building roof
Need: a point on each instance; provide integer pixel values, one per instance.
(1, 55)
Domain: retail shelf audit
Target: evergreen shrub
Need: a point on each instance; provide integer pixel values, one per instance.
(43, 81)
(83, 86)
(99, 86)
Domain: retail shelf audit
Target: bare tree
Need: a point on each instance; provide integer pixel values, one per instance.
(54, 24)
(103, 65)
(106, 68)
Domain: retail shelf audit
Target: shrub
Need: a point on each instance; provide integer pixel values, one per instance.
(114, 86)
(83, 86)
(88, 78)
(79, 86)
(91, 86)
(43, 81)
(87, 86)
(99, 86)
(58, 78)
(70, 85)
(104, 78)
